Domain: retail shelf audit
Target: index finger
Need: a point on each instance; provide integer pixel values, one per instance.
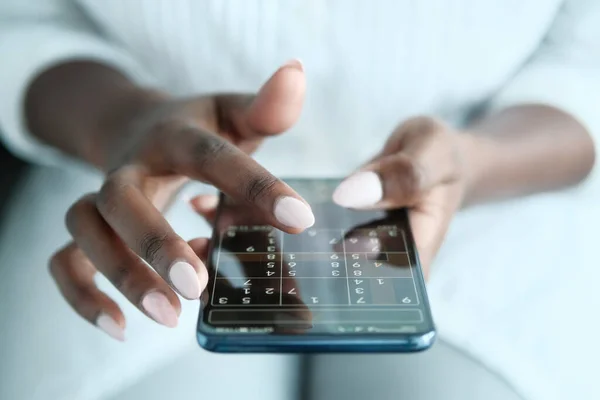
(205, 156)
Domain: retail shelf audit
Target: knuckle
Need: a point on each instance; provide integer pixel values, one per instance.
(150, 246)
(410, 181)
(208, 149)
(259, 187)
(121, 276)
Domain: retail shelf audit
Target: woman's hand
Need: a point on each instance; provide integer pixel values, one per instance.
(148, 156)
(422, 166)
(434, 170)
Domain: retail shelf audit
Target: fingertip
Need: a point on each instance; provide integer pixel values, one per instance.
(278, 104)
(111, 327)
(363, 189)
(159, 307)
(293, 213)
(204, 203)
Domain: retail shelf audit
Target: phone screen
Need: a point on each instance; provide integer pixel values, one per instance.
(353, 272)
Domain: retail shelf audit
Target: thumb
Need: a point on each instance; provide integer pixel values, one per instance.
(391, 182)
(278, 104)
(275, 108)
(402, 178)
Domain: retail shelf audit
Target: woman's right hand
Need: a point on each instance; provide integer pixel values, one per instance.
(153, 153)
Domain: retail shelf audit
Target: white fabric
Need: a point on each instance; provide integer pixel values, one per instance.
(441, 373)
(369, 66)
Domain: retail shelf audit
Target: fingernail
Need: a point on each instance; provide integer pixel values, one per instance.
(362, 189)
(110, 326)
(185, 279)
(293, 213)
(294, 63)
(160, 309)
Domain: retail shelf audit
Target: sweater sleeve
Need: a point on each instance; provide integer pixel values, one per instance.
(35, 36)
(564, 72)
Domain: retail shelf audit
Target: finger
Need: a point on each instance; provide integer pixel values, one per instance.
(275, 108)
(207, 157)
(421, 153)
(144, 230)
(200, 247)
(127, 272)
(391, 182)
(412, 134)
(74, 275)
(409, 136)
(397, 180)
(206, 206)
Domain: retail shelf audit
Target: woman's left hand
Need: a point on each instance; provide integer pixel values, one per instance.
(422, 167)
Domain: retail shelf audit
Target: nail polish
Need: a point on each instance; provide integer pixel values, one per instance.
(110, 327)
(185, 279)
(362, 189)
(293, 213)
(158, 306)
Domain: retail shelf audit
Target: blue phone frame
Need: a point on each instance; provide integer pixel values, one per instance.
(340, 343)
(321, 343)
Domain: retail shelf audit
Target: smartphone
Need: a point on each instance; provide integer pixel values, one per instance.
(350, 283)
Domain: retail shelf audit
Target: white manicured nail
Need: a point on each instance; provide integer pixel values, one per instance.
(160, 309)
(185, 279)
(110, 326)
(362, 189)
(293, 213)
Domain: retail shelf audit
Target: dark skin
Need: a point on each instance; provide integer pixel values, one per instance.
(149, 145)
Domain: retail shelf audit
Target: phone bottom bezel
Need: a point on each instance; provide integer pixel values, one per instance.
(242, 343)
